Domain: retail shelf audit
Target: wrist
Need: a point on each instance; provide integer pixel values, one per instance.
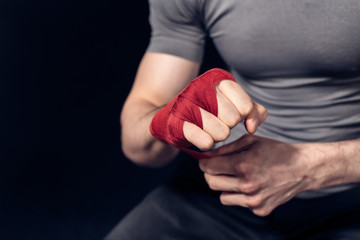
(138, 144)
(329, 164)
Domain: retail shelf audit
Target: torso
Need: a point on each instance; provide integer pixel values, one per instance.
(277, 38)
(301, 59)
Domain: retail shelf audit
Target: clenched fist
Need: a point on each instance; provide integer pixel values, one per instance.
(205, 111)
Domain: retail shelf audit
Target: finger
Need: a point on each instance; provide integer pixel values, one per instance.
(214, 126)
(255, 203)
(237, 96)
(253, 113)
(236, 147)
(197, 136)
(225, 183)
(255, 118)
(239, 199)
(216, 166)
(230, 183)
(227, 112)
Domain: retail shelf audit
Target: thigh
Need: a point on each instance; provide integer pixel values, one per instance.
(188, 209)
(172, 213)
(336, 216)
(345, 227)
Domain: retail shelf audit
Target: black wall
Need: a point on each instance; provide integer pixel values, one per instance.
(65, 70)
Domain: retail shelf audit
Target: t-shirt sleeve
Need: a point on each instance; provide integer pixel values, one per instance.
(176, 28)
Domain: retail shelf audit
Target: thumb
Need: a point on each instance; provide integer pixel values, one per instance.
(255, 118)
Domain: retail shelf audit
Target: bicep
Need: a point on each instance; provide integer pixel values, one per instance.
(161, 77)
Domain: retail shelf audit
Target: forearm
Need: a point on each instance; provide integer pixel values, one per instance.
(159, 79)
(137, 142)
(332, 163)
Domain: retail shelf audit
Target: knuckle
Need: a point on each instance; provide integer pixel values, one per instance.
(208, 171)
(238, 187)
(246, 107)
(254, 202)
(243, 169)
(204, 167)
(248, 188)
(261, 212)
(263, 111)
(239, 169)
(224, 133)
(234, 119)
(223, 85)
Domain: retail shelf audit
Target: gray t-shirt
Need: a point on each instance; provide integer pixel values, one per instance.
(300, 59)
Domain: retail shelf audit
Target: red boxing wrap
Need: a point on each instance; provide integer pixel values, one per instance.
(167, 124)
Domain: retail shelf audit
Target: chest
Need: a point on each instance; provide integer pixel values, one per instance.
(272, 38)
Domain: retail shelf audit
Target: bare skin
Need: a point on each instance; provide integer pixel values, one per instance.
(261, 174)
(159, 79)
(254, 172)
(234, 106)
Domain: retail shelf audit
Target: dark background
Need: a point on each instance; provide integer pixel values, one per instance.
(66, 67)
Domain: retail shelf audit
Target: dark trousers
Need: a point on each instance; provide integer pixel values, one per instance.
(187, 209)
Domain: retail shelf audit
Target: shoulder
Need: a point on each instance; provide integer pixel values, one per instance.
(177, 28)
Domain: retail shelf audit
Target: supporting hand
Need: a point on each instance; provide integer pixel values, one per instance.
(257, 173)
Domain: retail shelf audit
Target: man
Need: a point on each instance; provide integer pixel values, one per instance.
(296, 174)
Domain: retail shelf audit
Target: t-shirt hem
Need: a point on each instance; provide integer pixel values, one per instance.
(185, 49)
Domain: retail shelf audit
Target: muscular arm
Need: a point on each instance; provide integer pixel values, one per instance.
(159, 78)
(333, 163)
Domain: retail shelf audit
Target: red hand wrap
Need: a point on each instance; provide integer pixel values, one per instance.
(167, 124)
